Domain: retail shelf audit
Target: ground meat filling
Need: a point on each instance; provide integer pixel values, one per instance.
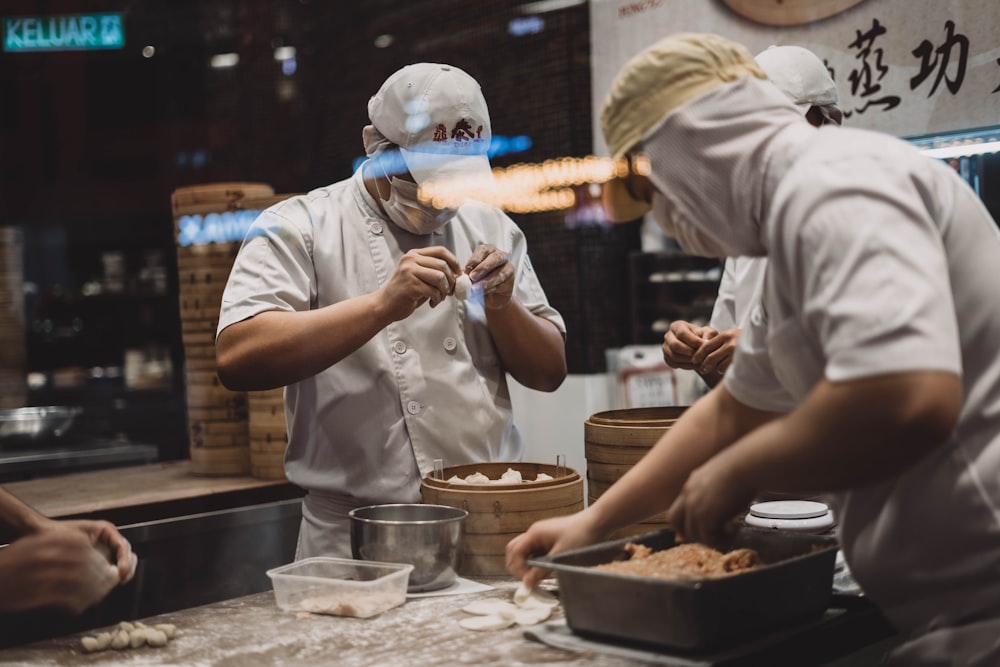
(684, 561)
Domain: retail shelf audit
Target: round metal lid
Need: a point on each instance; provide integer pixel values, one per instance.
(789, 509)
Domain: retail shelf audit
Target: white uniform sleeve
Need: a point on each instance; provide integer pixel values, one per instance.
(724, 311)
(874, 280)
(272, 270)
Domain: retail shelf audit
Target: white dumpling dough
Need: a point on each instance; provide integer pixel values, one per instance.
(511, 476)
(477, 478)
(463, 285)
(455, 479)
(534, 597)
(542, 477)
(529, 607)
(486, 623)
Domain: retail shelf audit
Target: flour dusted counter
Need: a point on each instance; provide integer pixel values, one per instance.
(252, 631)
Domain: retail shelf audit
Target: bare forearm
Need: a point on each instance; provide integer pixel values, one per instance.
(850, 434)
(710, 425)
(17, 517)
(277, 348)
(532, 348)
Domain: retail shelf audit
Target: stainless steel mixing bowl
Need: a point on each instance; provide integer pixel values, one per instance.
(25, 427)
(427, 536)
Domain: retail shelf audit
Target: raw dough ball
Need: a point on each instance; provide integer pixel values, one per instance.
(89, 644)
(168, 629)
(137, 638)
(120, 640)
(156, 637)
(463, 285)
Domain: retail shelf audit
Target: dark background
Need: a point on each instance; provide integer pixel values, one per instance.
(93, 143)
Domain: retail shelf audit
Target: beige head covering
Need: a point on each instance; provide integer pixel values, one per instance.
(663, 77)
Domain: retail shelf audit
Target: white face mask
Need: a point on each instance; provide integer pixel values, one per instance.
(692, 240)
(405, 209)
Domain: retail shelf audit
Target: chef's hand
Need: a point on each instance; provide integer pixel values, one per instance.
(715, 353)
(106, 538)
(713, 495)
(423, 274)
(681, 341)
(548, 536)
(57, 567)
(492, 273)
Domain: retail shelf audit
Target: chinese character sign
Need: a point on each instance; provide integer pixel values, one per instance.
(907, 67)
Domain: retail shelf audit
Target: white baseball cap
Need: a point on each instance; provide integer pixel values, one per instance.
(436, 114)
(799, 74)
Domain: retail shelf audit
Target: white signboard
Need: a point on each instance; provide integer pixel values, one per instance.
(906, 67)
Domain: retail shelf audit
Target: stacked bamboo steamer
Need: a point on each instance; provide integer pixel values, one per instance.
(217, 417)
(614, 441)
(499, 512)
(268, 433)
(13, 352)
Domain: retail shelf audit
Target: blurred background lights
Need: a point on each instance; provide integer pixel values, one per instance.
(148, 51)
(384, 41)
(525, 25)
(284, 53)
(225, 60)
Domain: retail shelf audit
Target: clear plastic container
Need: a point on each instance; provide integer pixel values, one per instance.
(340, 586)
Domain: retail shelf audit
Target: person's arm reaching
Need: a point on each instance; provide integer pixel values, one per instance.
(277, 348)
(649, 487)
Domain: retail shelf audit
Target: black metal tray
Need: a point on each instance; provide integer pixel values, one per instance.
(793, 586)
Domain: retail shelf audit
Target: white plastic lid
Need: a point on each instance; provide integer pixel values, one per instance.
(789, 509)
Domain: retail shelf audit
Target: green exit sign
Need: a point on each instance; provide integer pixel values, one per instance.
(69, 32)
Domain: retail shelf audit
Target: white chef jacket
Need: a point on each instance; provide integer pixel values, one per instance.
(739, 291)
(431, 386)
(880, 260)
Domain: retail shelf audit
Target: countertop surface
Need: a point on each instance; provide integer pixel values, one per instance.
(253, 631)
(108, 493)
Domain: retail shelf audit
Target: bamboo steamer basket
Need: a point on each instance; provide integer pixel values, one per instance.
(616, 440)
(268, 433)
(500, 512)
(13, 346)
(217, 417)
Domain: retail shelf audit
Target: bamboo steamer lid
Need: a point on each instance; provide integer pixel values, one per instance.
(614, 441)
(500, 512)
(216, 197)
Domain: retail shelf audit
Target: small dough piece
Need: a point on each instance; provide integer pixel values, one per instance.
(126, 626)
(120, 640)
(490, 622)
(103, 640)
(463, 285)
(169, 629)
(477, 478)
(137, 637)
(156, 637)
(543, 477)
(90, 644)
(455, 479)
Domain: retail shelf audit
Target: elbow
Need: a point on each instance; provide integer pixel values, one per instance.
(229, 371)
(552, 378)
(930, 419)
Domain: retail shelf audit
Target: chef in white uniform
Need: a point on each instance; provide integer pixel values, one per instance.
(344, 296)
(708, 350)
(869, 370)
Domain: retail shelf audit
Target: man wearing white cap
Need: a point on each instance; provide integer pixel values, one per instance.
(708, 350)
(868, 372)
(345, 296)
